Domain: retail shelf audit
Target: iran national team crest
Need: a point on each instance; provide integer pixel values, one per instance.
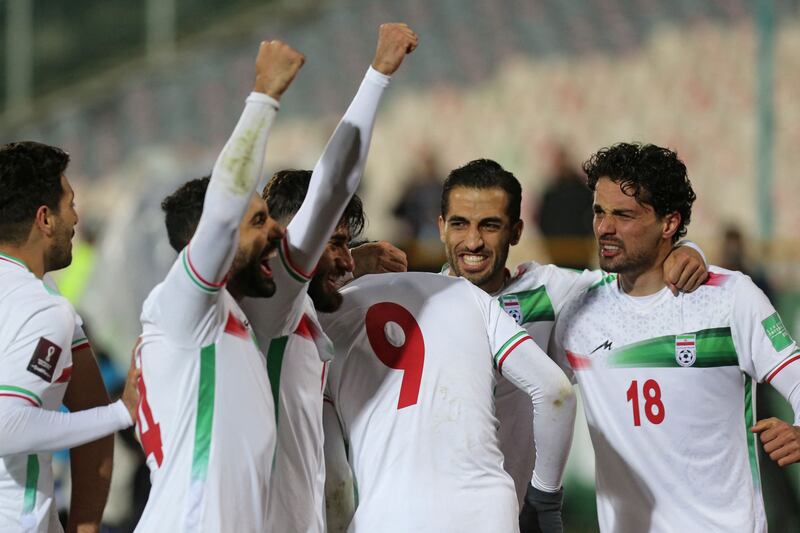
(512, 307)
(685, 349)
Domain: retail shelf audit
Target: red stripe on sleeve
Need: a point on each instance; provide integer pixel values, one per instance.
(781, 367)
(520, 341)
(11, 394)
(201, 278)
(285, 245)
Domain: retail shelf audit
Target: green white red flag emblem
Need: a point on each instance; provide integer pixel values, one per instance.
(685, 349)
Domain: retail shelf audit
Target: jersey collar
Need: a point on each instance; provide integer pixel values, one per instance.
(5, 258)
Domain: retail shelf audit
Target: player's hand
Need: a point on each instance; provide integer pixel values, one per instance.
(684, 270)
(541, 511)
(130, 395)
(378, 257)
(395, 40)
(276, 66)
(781, 440)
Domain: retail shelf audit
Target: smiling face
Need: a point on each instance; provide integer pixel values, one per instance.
(631, 238)
(259, 238)
(477, 233)
(335, 262)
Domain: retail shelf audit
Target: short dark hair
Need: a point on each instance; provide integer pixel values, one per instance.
(484, 174)
(183, 209)
(648, 173)
(30, 177)
(287, 189)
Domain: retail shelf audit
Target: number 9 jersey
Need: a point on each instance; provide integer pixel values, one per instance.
(412, 385)
(669, 391)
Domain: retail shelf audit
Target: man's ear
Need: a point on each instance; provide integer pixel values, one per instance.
(441, 228)
(516, 232)
(671, 223)
(44, 221)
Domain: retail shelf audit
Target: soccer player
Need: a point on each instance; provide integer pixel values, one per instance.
(668, 382)
(207, 422)
(321, 217)
(480, 220)
(44, 358)
(412, 386)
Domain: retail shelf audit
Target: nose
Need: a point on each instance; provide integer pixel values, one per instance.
(474, 239)
(345, 260)
(275, 230)
(604, 225)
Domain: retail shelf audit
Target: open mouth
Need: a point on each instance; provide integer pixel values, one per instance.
(471, 262)
(272, 252)
(608, 249)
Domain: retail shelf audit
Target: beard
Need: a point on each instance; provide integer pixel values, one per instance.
(325, 300)
(633, 262)
(248, 278)
(60, 253)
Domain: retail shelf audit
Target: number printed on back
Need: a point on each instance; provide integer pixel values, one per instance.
(45, 359)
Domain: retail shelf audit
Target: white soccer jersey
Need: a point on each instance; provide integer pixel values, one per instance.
(533, 296)
(668, 388)
(206, 416)
(37, 331)
(416, 406)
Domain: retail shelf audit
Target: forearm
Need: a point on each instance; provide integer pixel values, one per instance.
(233, 182)
(787, 382)
(554, 404)
(336, 175)
(34, 430)
(91, 467)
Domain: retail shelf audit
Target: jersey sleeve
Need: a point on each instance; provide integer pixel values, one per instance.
(528, 368)
(334, 180)
(564, 284)
(79, 339)
(195, 280)
(762, 342)
(38, 354)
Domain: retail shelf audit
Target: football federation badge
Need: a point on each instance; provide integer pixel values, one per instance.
(685, 349)
(511, 305)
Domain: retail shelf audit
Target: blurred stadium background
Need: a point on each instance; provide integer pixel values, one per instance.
(144, 94)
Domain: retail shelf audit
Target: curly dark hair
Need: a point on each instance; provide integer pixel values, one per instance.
(653, 175)
(30, 177)
(484, 174)
(183, 209)
(287, 189)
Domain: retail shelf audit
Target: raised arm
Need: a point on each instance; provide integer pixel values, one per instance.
(200, 272)
(338, 172)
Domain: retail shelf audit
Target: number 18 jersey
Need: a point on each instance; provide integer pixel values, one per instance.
(668, 387)
(412, 386)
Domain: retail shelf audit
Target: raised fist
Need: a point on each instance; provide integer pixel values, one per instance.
(276, 66)
(395, 40)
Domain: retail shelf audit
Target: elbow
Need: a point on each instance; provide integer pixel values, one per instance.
(560, 394)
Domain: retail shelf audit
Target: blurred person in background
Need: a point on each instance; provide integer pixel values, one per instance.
(45, 359)
(780, 495)
(479, 222)
(417, 209)
(565, 213)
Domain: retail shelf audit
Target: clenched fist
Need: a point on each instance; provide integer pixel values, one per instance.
(276, 66)
(395, 40)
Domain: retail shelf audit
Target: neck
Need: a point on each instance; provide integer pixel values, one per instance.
(495, 284)
(648, 281)
(32, 258)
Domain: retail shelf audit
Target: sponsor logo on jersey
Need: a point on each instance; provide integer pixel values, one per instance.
(512, 306)
(44, 360)
(776, 332)
(686, 349)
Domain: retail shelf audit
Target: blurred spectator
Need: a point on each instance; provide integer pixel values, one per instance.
(418, 209)
(734, 257)
(565, 213)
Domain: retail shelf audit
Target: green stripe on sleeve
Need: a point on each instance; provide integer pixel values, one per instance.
(275, 352)
(31, 484)
(508, 343)
(205, 412)
(20, 390)
(713, 348)
(200, 285)
(292, 272)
